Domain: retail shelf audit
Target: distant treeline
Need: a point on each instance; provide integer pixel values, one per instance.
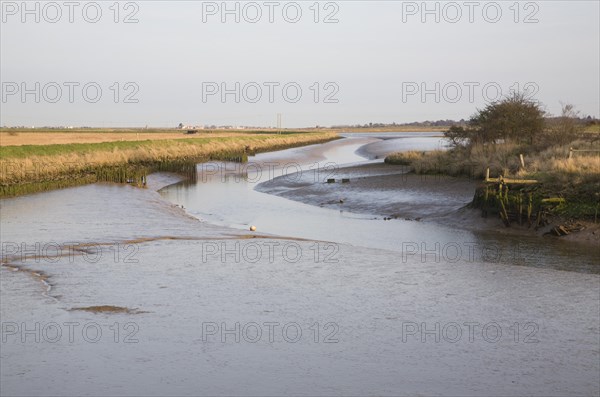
(589, 120)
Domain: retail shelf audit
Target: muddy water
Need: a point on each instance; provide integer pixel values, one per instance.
(234, 195)
(214, 318)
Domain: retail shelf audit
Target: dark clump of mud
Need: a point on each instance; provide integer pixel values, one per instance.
(107, 309)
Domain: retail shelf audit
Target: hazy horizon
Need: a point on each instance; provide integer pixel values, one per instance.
(329, 63)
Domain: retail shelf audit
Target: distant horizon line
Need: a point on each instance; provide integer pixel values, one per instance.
(426, 123)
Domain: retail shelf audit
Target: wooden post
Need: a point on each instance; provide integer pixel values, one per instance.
(487, 174)
(570, 152)
(522, 161)
(504, 214)
(529, 209)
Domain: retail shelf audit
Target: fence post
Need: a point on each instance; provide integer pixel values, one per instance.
(522, 161)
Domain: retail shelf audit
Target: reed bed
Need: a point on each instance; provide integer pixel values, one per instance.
(574, 178)
(33, 168)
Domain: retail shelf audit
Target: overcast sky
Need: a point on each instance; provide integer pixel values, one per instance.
(328, 63)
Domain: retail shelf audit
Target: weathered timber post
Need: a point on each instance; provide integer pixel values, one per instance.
(529, 209)
(520, 198)
(522, 161)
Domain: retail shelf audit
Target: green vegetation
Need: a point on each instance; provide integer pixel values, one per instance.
(513, 139)
(33, 168)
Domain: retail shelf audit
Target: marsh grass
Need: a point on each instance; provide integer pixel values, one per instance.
(576, 179)
(32, 168)
(19, 137)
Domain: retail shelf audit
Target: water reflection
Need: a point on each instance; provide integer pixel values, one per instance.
(225, 195)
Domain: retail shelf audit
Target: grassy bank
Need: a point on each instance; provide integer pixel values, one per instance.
(33, 168)
(573, 177)
(48, 136)
(52, 136)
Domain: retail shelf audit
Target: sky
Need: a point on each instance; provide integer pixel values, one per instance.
(161, 63)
